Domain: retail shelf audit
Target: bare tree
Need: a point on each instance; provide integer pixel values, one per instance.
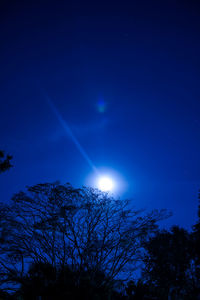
(83, 228)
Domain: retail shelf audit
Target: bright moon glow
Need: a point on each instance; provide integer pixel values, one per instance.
(105, 184)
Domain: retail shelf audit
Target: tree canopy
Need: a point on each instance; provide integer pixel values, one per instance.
(84, 229)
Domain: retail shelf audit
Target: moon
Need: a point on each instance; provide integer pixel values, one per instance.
(105, 184)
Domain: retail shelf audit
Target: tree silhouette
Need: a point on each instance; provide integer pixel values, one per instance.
(85, 229)
(168, 263)
(53, 283)
(196, 255)
(5, 163)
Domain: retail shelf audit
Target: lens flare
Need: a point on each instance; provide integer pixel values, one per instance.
(69, 133)
(101, 105)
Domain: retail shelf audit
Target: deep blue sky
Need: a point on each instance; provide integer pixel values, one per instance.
(140, 59)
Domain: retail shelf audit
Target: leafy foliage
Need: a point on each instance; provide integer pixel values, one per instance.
(5, 163)
(169, 263)
(53, 283)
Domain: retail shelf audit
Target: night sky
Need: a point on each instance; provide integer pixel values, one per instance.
(108, 87)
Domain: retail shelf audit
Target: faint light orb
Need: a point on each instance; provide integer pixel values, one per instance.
(101, 105)
(105, 184)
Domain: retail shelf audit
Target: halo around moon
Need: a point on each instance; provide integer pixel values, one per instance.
(107, 180)
(105, 184)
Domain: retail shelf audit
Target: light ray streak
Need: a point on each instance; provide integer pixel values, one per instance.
(69, 133)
